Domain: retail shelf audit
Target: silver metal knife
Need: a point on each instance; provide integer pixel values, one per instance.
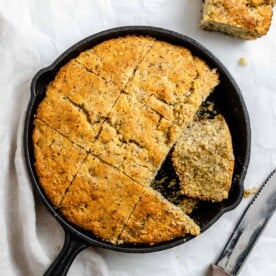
(248, 230)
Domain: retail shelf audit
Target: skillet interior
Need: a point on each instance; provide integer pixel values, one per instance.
(227, 97)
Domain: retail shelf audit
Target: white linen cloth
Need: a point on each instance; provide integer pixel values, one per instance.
(32, 35)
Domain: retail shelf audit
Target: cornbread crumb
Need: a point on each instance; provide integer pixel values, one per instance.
(243, 61)
(203, 159)
(240, 18)
(248, 192)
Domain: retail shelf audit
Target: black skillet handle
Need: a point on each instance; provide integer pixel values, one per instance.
(72, 246)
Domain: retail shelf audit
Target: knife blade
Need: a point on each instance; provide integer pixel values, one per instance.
(248, 230)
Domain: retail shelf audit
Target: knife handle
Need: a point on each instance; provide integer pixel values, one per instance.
(215, 270)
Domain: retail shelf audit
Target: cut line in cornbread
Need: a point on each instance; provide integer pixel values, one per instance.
(135, 139)
(116, 59)
(172, 82)
(101, 199)
(155, 220)
(56, 161)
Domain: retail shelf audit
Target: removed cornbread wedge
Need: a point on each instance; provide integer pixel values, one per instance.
(155, 220)
(56, 161)
(245, 19)
(203, 159)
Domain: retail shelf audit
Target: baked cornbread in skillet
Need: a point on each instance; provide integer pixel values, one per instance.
(95, 104)
(245, 19)
(57, 161)
(203, 159)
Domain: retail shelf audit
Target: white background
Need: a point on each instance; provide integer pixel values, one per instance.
(32, 34)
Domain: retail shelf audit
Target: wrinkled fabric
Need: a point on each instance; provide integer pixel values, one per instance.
(32, 35)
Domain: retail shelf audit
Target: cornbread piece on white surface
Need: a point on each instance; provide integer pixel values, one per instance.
(116, 59)
(155, 219)
(245, 19)
(101, 199)
(203, 159)
(172, 82)
(56, 161)
(135, 139)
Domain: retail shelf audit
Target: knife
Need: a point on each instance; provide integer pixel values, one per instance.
(248, 230)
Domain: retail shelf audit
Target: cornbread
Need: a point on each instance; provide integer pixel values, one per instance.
(100, 105)
(97, 203)
(155, 220)
(56, 161)
(172, 82)
(100, 199)
(245, 19)
(76, 103)
(203, 159)
(135, 139)
(116, 59)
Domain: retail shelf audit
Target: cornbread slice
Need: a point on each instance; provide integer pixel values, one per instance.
(116, 59)
(203, 159)
(130, 158)
(169, 81)
(56, 161)
(154, 220)
(245, 19)
(93, 95)
(100, 199)
(76, 103)
(135, 136)
(68, 119)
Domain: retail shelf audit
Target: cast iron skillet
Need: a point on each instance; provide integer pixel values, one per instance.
(227, 97)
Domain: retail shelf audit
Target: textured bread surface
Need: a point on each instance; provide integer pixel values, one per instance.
(132, 125)
(115, 59)
(101, 199)
(100, 104)
(155, 220)
(203, 159)
(245, 19)
(56, 161)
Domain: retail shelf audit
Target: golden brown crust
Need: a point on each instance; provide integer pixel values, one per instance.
(246, 19)
(100, 199)
(164, 81)
(116, 59)
(203, 159)
(56, 161)
(156, 220)
(76, 104)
